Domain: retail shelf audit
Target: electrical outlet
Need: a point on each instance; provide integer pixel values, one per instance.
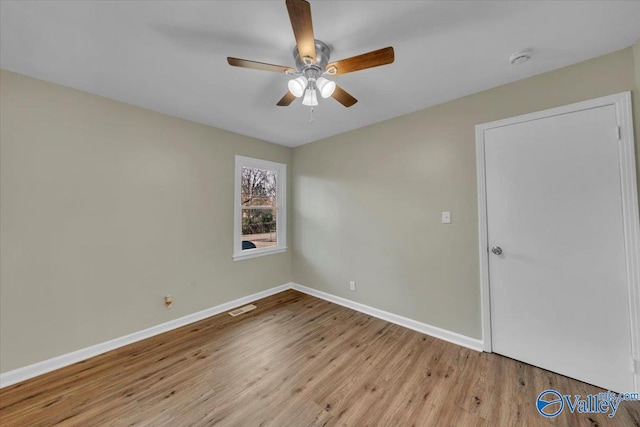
(352, 285)
(168, 301)
(446, 217)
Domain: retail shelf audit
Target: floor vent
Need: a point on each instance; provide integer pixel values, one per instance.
(242, 310)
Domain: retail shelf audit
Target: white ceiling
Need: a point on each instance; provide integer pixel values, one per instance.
(170, 56)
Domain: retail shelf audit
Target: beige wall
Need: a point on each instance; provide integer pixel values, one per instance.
(367, 203)
(105, 208)
(636, 60)
(636, 102)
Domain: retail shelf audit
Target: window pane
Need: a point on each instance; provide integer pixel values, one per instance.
(258, 187)
(258, 228)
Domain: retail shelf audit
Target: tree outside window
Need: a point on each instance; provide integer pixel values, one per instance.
(260, 212)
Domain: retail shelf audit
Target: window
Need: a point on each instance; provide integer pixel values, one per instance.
(260, 213)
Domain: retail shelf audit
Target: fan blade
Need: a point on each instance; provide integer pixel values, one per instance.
(343, 97)
(287, 99)
(245, 63)
(364, 61)
(300, 16)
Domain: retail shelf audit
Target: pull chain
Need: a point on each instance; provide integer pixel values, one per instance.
(311, 116)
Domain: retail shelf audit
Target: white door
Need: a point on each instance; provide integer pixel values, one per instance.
(558, 291)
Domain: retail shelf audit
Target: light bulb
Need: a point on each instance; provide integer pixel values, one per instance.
(297, 86)
(326, 87)
(310, 98)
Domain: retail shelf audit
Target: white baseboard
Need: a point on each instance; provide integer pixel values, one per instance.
(30, 371)
(434, 331)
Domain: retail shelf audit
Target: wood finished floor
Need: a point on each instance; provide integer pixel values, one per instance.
(295, 361)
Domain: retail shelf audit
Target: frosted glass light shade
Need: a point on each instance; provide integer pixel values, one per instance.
(310, 98)
(326, 87)
(297, 86)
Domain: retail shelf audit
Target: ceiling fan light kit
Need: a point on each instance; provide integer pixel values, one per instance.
(326, 87)
(298, 85)
(310, 98)
(312, 63)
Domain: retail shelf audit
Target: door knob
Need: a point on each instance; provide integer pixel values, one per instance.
(497, 250)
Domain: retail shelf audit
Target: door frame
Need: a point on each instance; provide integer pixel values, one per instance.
(629, 192)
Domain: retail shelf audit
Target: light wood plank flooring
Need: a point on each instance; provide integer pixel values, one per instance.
(295, 361)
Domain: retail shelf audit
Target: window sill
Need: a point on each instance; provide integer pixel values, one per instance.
(255, 253)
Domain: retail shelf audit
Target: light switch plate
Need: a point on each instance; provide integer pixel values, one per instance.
(446, 217)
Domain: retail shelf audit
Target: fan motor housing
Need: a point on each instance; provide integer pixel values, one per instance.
(322, 58)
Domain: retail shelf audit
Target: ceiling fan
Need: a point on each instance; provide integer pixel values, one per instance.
(312, 63)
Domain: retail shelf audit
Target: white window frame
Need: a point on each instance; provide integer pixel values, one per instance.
(281, 208)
